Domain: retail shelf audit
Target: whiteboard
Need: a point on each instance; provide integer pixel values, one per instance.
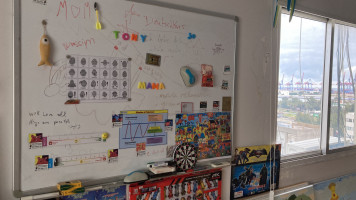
(41, 91)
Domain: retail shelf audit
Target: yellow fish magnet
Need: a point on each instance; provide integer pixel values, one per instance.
(44, 47)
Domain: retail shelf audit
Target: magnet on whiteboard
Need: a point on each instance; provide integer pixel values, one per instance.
(44, 47)
(149, 86)
(155, 86)
(125, 36)
(104, 136)
(161, 86)
(134, 37)
(116, 33)
(141, 85)
(191, 36)
(187, 76)
(143, 37)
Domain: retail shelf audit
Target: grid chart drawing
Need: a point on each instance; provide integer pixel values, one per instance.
(98, 79)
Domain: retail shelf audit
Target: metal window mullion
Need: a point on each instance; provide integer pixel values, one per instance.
(327, 86)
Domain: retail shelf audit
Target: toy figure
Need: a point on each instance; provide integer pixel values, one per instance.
(244, 179)
(207, 196)
(170, 191)
(263, 175)
(208, 184)
(215, 182)
(189, 189)
(139, 197)
(176, 190)
(155, 194)
(207, 75)
(44, 47)
(202, 185)
(183, 188)
(195, 186)
(147, 196)
(334, 196)
(214, 195)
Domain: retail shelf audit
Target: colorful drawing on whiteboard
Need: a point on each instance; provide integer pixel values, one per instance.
(146, 126)
(98, 79)
(209, 132)
(338, 188)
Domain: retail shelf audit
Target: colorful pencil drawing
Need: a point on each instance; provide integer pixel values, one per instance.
(209, 132)
(342, 188)
(304, 193)
(253, 154)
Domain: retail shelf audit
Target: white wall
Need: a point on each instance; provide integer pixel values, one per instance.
(255, 111)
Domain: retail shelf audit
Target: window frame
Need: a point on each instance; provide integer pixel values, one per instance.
(325, 151)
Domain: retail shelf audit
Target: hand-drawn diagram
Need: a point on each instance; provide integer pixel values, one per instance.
(146, 126)
(98, 79)
(209, 132)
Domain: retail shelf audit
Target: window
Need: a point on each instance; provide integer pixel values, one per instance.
(301, 65)
(317, 80)
(341, 133)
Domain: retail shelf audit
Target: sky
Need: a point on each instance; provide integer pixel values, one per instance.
(311, 42)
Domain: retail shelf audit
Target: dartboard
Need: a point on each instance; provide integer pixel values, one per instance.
(185, 156)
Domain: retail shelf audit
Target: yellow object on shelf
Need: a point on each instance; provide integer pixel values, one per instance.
(70, 187)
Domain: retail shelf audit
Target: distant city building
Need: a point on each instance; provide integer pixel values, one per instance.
(350, 126)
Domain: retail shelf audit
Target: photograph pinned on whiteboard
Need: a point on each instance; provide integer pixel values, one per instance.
(36, 140)
(113, 155)
(42, 162)
(168, 124)
(216, 106)
(170, 151)
(203, 106)
(117, 120)
(141, 149)
(226, 104)
(187, 107)
(227, 69)
(225, 85)
(207, 76)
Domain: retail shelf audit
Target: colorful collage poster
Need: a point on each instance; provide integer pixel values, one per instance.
(256, 170)
(209, 132)
(338, 188)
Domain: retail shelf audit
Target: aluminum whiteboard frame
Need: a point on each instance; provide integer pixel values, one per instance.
(48, 192)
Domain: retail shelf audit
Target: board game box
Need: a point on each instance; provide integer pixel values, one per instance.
(192, 186)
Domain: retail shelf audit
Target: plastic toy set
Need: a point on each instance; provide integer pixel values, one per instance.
(192, 186)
